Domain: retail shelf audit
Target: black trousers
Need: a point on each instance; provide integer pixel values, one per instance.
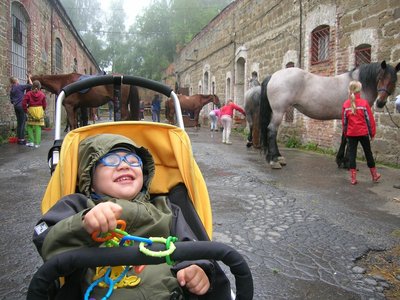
(21, 119)
(352, 148)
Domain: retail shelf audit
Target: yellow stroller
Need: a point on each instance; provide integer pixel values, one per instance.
(176, 174)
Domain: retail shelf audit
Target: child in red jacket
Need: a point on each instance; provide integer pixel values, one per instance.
(34, 104)
(359, 126)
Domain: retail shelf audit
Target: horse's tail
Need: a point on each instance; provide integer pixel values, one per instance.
(265, 114)
(134, 103)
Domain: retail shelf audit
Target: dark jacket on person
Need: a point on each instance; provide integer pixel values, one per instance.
(144, 217)
(156, 103)
(17, 93)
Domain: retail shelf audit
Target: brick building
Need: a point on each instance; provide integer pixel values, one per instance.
(320, 36)
(37, 36)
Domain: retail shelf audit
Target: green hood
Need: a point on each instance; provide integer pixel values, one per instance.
(94, 147)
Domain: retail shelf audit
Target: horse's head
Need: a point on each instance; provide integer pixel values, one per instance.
(386, 82)
(216, 101)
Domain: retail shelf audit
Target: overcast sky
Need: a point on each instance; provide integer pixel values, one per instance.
(132, 8)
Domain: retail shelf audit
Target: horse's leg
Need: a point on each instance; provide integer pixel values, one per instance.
(71, 115)
(133, 101)
(83, 116)
(250, 137)
(273, 152)
(256, 130)
(171, 115)
(67, 126)
(196, 119)
(274, 157)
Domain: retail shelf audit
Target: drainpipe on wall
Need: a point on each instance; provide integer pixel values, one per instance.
(300, 33)
(52, 41)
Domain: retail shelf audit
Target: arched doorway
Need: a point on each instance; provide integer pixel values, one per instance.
(240, 81)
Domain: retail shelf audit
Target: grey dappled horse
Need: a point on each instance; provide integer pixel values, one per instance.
(318, 97)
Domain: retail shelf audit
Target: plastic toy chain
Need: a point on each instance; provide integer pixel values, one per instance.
(169, 245)
(109, 239)
(119, 233)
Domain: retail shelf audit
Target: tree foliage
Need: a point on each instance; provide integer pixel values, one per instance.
(149, 45)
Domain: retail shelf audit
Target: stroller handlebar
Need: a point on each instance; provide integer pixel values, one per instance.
(67, 262)
(117, 80)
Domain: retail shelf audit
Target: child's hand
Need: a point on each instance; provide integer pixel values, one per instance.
(194, 278)
(103, 217)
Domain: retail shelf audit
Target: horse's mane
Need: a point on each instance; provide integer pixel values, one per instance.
(368, 74)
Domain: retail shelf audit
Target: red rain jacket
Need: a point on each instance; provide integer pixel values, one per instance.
(228, 109)
(361, 123)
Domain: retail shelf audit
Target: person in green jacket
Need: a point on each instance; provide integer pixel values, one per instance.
(114, 176)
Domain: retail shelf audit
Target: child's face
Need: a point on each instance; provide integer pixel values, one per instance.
(122, 181)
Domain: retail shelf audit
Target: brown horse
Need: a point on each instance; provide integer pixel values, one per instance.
(94, 97)
(192, 103)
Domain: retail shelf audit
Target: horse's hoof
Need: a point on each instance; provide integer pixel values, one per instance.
(282, 160)
(275, 165)
(249, 144)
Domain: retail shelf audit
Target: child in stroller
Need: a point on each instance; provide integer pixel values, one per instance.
(114, 176)
(177, 179)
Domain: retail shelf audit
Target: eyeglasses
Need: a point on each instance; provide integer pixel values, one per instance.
(114, 160)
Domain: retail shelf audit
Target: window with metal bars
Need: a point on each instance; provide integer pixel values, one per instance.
(362, 54)
(320, 44)
(17, 30)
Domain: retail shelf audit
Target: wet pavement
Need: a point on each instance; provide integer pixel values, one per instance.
(301, 228)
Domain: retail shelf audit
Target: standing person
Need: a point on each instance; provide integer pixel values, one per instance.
(34, 104)
(358, 126)
(226, 119)
(156, 108)
(214, 116)
(114, 177)
(17, 92)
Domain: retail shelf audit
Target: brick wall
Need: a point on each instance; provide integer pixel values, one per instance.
(263, 36)
(47, 21)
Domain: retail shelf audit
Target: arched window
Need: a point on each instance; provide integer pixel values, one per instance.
(290, 64)
(228, 88)
(205, 80)
(59, 64)
(320, 44)
(362, 54)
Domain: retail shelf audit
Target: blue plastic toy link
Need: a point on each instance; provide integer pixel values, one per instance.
(136, 239)
(107, 280)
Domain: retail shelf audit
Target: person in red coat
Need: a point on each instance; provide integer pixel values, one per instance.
(358, 126)
(34, 104)
(226, 113)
